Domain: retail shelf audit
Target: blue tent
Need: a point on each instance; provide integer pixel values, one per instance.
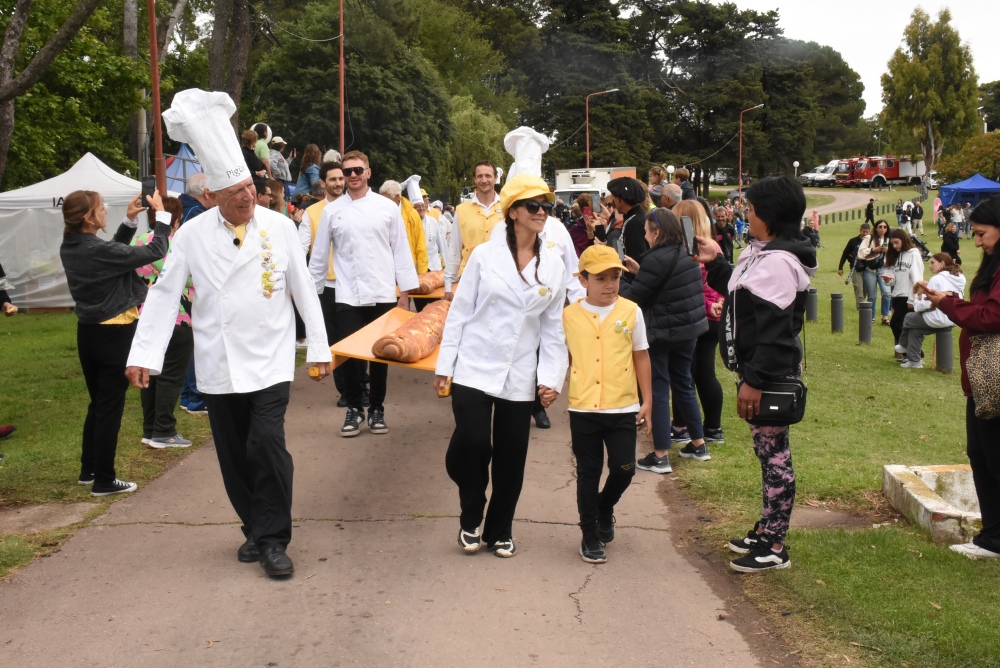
(180, 168)
(972, 190)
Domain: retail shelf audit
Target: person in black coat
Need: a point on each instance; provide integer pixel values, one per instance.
(629, 196)
(668, 288)
(949, 243)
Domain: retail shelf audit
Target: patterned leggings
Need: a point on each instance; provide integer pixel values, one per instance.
(775, 455)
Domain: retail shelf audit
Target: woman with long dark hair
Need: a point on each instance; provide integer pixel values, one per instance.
(904, 269)
(979, 315)
(508, 308)
(308, 172)
(107, 291)
(871, 254)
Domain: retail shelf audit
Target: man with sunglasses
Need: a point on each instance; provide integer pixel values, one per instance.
(372, 256)
(475, 220)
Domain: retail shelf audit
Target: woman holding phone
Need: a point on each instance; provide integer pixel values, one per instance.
(107, 291)
(509, 307)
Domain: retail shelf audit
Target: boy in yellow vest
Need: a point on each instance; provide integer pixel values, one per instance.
(606, 336)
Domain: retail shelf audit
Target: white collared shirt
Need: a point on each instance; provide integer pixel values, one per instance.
(498, 320)
(436, 248)
(370, 250)
(554, 235)
(244, 341)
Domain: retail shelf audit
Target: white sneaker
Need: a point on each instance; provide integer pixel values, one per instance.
(911, 365)
(900, 349)
(973, 551)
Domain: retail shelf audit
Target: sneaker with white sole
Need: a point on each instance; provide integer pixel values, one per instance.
(973, 551)
(715, 436)
(592, 550)
(762, 558)
(606, 529)
(352, 423)
(700, 452)
(747, 543)
(655, 464)
(912, 365)
(470, 541)
(376, 421)
(175, 441)
(679, 436)
(114, 487)
(85, 479)
(899, 349)
(505, 549)
(146, 440)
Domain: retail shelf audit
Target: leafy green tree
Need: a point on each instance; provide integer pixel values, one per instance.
(931, 89)
(980, 154)
(989, 100)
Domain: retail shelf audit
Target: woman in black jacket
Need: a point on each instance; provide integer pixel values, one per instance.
(107, 291)
(949, 243)
(668, 288)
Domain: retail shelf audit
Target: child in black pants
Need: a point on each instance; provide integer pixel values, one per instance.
(606, 337)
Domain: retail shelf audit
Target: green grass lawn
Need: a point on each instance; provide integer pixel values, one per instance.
(874, 587)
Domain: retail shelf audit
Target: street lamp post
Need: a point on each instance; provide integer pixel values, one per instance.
(739, 187)
(587, 117)
(795, 164)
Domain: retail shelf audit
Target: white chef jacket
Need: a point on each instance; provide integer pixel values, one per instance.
(555, 235)
(436, 248)
(453, 258)
(243, 341)
(370, 250)
(497, 321)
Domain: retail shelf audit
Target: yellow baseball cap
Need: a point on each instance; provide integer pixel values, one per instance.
(596, 259)
(423, 192)
(521, 187)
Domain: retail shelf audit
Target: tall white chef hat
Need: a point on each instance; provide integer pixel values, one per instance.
(412, 188)
(201, 119)
(527, 147)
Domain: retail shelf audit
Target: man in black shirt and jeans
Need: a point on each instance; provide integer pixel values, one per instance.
(850, 256)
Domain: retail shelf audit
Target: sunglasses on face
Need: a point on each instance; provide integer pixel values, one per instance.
(533, 207)
(354, 171)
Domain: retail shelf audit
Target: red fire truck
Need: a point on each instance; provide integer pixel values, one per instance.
(878, 171)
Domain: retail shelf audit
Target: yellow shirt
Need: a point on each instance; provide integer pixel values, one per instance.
(124, 318)
(415, 236)
(602, 375)
(315, 213)
(474, 226)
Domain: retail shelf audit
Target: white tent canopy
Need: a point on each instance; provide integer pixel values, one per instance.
(31, 229)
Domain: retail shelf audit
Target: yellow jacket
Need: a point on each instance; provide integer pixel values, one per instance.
(474, 226)
(415, 235)
(315, 213)
(602, 375)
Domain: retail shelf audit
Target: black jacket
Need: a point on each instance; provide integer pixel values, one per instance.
(687, 191)
(101, 274)
(668, 289)
(634, 232)
(949, 245)
(850, 253)
(4, 297)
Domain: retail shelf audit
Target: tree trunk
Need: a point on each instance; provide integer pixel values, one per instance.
(239, 52)
(165, 28)
(217, 45)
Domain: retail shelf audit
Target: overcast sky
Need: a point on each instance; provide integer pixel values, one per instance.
(867, 32)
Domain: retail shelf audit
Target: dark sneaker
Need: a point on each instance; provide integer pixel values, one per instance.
(469, 541)
(747, 543)
(679, 436)
(505, 549)
(352, 423)
(376, 422)
(592, 550)
(762, 558)
(342, 402)
(85, 479)
(655, 464)
(700, 452)
(606, 529)
(714, 436)
(175, 441)
(114, 487)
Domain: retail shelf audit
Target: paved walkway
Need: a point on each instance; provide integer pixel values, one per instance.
(379, 579)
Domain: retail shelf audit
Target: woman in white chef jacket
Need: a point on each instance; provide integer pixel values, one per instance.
(509, 305)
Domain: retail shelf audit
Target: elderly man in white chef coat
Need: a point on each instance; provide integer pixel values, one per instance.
(527, 146)
(248, 266)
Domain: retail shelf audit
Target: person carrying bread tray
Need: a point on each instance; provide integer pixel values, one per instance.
(509, 307)
(762, 318)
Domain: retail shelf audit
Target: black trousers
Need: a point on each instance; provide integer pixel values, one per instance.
(487, 428)
(705, 381)
(349, 320)
(591, 433)
(103, 351)
(984, 456)
(328, 303)
(249, 433)
(899, 311)
(160, 399)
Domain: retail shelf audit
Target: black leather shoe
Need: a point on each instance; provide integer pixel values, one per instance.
(342, 402)
(248, 552)
(275, 562)
(542, 420)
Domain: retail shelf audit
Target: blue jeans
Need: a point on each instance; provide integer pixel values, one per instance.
(874, 283)
(190, 396)
(672, 373)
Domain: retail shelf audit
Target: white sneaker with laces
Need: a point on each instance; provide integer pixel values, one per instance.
(911, 365)
(899, 349)
(973, 551)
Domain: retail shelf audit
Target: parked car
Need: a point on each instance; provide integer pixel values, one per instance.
(932, 180)
(821, 176)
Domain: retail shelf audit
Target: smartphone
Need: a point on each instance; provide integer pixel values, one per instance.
(620, 247)
(597, 205)
(688, 228)
(588, 212)
(148, 188)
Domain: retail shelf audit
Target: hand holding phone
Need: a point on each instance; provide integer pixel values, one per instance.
(587, 212)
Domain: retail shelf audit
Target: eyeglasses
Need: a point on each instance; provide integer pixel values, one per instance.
(354, 171)
(533, 206)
